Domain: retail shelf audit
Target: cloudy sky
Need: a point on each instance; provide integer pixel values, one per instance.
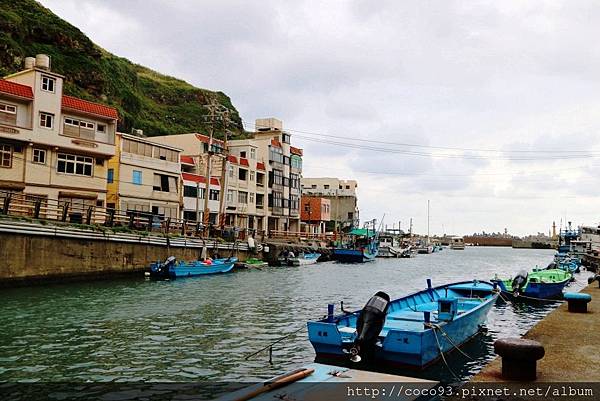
(490, 110)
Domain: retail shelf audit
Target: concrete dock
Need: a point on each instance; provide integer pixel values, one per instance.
(571, 342)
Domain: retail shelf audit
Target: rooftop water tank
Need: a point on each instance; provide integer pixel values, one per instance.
(29, 63)
(42, 61)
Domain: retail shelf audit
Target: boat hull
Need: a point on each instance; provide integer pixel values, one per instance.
(415, 345)
(353, 256)
(196, 268)
(309, 259)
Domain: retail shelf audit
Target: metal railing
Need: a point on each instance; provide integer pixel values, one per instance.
(64, 211)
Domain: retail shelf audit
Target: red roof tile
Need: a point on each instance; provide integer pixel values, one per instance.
(295, 151)
(206, 139)
(187, 160)
(232, 159)
(199, 178)
(73, 103)
(15, 89)
(260, 166)
(275, 142)
(244, 162)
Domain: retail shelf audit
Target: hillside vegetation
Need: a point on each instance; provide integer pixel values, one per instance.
(145, 99)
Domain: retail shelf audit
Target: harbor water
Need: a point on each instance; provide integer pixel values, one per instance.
(201, 329)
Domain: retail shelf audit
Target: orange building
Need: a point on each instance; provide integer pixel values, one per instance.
(315, 213)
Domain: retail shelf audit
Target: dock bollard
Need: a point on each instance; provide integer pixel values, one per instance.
(595, 278)
(519, 358)
(577, 301)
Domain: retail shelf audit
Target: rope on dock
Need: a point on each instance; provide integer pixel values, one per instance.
(526, 297)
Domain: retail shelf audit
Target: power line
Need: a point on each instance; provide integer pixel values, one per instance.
(363, 145)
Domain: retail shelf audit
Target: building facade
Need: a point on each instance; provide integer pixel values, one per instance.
(144, 176)
(343, 199)
(315, 213)
(53, 146)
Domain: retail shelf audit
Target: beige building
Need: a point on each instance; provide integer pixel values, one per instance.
(144, 176)
(283, 166)
(194, 157)
(343, 198)
(53, 146)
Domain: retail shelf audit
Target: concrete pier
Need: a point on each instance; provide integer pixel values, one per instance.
(571, 342)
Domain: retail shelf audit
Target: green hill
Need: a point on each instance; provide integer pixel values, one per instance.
(146, 100)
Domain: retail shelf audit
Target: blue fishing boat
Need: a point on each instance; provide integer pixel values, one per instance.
(171, 268)
(539, 284)
(565, 237)
(362, 247)
(566, 262)
(412, 331)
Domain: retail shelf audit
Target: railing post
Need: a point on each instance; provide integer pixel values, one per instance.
(36, 209)
(131, 220)
(150, 222)
(197, 230)
(65, 212)
(168, 223)
(6, 204)
(183, 227)
(88, 216)
(110, 218)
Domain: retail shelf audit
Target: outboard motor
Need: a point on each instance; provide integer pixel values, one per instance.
(162, 269)
(519, 282)
(369, 325)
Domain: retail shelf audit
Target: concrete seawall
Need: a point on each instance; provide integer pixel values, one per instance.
(34, 253)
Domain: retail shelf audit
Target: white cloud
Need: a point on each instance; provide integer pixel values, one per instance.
(487, 75)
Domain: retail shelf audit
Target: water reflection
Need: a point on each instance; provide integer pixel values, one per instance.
(202, 328)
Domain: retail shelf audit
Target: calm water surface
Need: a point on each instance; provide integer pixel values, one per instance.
(202, 328)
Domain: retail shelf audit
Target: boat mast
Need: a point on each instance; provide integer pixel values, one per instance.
(427, 221)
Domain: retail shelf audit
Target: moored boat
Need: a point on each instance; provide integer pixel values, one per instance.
(363, 247)
(304, 259)
(411, 331)
(457, 243)
(251, 263)
(541, 284)
(171, 268)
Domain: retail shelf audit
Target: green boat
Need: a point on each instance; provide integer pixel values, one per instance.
(541, 284)
(251, 263)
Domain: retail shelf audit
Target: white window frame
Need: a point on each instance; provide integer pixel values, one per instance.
(44, 114)
(4, 108)
(251, 197)
(243, 194)
(46, 79)
(252, 153)
(36, 154)
(252, 175)
(4, 151)
(75, 160)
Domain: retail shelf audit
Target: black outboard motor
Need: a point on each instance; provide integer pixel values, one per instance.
(162, 269)
(369, 325)
(519, 282)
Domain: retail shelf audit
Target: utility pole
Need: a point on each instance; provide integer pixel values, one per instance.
(224, 168)
(214, 109)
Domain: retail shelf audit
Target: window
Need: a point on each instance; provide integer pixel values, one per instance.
(46, 120)
(285, 138)
(276, 154)
(251, 197)
(294, 181)
(190, 191)
(48, 83)
(313, 186)
(164, 183)
(326, 186)
(252, 153)
(260, 199)
(201, 194)
(230, 194)
(5, 156)
(214, 194)
(101, 128)
(243, 154)
(110, 176)
(242, 197)
(260, 179)
(242, 174)
(39, 156)
(251, 175)
(72, 164)
(137, 177)
(231, 171)
(347, 186)
(8, 108)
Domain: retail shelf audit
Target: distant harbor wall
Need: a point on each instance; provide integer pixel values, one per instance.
(488, 241)
(33, 252)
